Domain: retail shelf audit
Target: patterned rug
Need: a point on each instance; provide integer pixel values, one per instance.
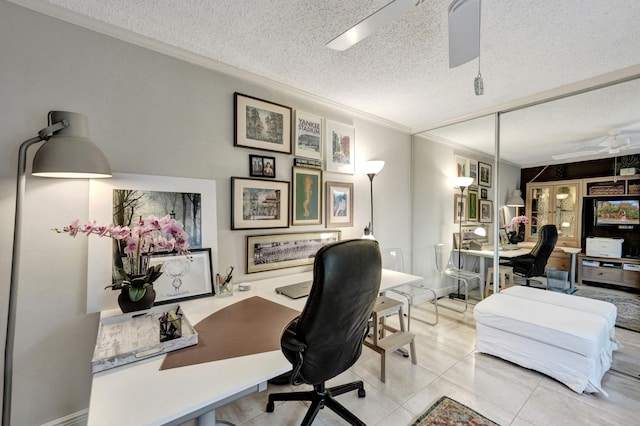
(446, 411)
(628, 305)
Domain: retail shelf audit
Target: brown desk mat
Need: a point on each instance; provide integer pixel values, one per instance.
(247, 327)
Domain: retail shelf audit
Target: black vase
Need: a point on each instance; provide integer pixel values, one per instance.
(515, 238)
(127, 305)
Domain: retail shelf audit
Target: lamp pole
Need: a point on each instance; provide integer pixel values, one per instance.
(462, 182)
(371, 169)
(371, 176)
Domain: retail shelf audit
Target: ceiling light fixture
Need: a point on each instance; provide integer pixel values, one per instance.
(478, 84)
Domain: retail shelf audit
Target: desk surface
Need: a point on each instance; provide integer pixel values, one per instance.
(501, 253)
(175, 395)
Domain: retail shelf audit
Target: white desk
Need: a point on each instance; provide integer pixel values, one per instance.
(141, 394)
(484, 254)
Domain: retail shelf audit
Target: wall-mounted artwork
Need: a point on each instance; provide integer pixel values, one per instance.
(261, 124)
(461, 165)
(262, 166)
(486, 211)
(259, 203)
(308, 135)
(472, 205)
(307, 196)
(122, 199)
(484, 177)
(459, 208)
(340, 148)
(269, 252)
(339, 204)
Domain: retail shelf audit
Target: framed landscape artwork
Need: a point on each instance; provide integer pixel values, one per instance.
(459, 208)
(261, 124)
(307, 196)
(340, 148)
(484, 175)
(259, 203)
(339, 204)
(486, 210)
(269, 252)
(308, 135)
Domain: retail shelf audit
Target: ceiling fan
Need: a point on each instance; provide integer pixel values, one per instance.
(613, 143)
(464, 28)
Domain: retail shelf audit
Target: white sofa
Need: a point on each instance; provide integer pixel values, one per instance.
(567, 337)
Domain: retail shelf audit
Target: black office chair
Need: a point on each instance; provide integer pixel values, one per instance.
(326, 339)
(533, 264)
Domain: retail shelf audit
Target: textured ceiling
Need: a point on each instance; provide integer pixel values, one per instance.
(401, 72)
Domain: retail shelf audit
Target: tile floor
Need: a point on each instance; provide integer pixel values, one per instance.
(449, 365)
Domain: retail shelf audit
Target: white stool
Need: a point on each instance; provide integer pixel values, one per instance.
(505, 272)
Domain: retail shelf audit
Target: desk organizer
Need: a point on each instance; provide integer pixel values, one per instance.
(134, 336)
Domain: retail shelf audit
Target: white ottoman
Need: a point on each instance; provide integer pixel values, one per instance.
(568, 338)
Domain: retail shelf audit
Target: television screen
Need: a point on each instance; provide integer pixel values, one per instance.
(617, 212)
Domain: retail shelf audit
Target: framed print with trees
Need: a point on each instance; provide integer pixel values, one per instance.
(259, 203)
(484, 174)
(486, 209)
(261, 124)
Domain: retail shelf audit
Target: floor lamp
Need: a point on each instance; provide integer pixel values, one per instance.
(66, 153)
(461, 182)
(371, 169)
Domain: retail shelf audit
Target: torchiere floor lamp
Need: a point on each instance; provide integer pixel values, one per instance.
(461, 182)
(66, 153)
(371, 169)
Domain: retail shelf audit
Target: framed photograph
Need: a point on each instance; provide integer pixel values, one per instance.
(484, 193)
(504, 238)
(459, 208)
(462, 166)
(261, 124)
(259, 203)
(472, 204)
(183, 277)
(340, 148)
(306, 202)
(308, 135)
(486, 209)
(473, 171)
(261, 166)
(456, 240)
(269, 252)
(339, 204)
(484, 174)
(126, 197)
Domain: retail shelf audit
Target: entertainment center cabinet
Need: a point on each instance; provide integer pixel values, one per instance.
(570, 205)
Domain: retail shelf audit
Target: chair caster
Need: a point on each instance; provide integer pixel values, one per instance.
(270, 407)
(361, 393)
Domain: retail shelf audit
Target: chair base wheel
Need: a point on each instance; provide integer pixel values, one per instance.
(361, 393)
(270, 407)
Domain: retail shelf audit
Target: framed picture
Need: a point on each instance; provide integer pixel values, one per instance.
(261, 166)
(339, 204)
(486, 209)
(261, 124)
(269, 252)
(183, 277)
(307, 196)
(127, 196)
(459, 208)
(484, 177)
(472, 205)
(308, 135)
(484, 193)
(340, 148)
(462, 166)
(259, 203)
(456, 240)
(473, 171)
(504, 238)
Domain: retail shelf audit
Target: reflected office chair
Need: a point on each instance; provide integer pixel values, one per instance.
(460, 276)
(533, 264)
(326, 339)
(393, 259)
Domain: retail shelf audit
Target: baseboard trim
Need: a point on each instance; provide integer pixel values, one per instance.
(79, 418)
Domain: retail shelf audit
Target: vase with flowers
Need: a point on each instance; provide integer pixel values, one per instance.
(515, 229)
(150, 235)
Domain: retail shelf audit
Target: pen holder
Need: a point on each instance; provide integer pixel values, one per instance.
(170, 328)
(222, 289)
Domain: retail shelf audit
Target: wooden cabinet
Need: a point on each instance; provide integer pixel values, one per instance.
(557, 203)
(622, 272)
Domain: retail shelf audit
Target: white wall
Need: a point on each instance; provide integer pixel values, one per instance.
(150, 114)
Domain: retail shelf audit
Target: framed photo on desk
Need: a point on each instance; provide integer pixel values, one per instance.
(183, 276)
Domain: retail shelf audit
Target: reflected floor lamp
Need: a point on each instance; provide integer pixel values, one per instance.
(371, 169)
(66, 153)
(461, 182)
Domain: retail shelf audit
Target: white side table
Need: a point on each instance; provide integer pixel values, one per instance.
(572, 251)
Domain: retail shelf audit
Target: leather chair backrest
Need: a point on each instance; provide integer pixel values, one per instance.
(334, 321)
(547, 239)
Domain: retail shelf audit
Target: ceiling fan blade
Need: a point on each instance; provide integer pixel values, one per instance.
(372, 23)
(576, 154)
(464, 31)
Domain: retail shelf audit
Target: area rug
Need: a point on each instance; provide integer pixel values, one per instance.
(628, 305)
(446, 411)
